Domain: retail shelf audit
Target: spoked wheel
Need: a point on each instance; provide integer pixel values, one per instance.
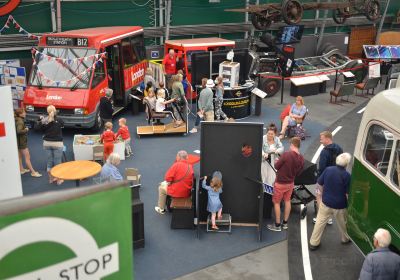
(292, 11)
(260, 22)
(372, 10)
(340, 16)
(271, 86)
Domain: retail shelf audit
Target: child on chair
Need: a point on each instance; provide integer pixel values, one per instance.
(214, 204)
(161, 104)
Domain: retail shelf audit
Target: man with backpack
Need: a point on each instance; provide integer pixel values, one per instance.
(327, 158)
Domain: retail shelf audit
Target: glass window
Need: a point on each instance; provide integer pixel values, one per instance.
(378, 148)
(396, 166)
(127, 53)
(138, 48)
(62, 67)
(99, 74)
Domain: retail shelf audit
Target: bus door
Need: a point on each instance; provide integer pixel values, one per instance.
(114, 71)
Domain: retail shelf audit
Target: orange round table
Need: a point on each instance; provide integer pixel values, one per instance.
(75, 170)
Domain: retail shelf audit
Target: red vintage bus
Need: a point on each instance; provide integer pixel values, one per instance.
(71, 69)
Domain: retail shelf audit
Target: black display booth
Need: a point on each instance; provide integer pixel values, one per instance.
(222, 148)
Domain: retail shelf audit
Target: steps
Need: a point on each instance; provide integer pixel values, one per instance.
(224, 224)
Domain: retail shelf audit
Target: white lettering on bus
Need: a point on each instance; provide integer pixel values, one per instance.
(138, 74)
(53, 97)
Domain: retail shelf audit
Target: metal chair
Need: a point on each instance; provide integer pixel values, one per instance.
(132, 175)
(346, 89)
(371, 83)
(98, 153)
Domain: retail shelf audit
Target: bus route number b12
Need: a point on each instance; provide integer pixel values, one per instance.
(82, 42)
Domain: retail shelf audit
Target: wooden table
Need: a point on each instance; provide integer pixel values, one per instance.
(75, 170)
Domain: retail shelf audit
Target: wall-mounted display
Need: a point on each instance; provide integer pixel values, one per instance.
(382, 51)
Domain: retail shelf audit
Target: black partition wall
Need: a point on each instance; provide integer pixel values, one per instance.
(235, 150)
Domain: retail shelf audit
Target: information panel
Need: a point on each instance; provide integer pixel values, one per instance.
(66, 41)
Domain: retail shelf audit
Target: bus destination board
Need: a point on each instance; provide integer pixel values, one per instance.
(66, 41)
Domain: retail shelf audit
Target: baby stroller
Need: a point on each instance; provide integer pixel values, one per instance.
(301, 195)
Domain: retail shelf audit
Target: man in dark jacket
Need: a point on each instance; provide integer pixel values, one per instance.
(289, 165)
(326, 158)
(106, 108)
(381, 263)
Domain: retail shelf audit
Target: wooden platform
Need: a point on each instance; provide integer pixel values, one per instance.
(160, 129)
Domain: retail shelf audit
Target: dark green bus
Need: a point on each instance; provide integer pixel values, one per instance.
(374, 200)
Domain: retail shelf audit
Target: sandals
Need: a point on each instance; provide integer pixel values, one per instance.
(36, 174)
(23, 171)
(214, 227)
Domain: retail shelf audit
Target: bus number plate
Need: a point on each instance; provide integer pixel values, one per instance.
(65, 41)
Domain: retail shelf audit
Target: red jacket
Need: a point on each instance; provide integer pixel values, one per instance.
(107, 137)
(124, 132)
(180, 169)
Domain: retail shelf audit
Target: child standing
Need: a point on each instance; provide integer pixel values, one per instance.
(108, 138)
(123, 131)
(214, 204)
(219, 99)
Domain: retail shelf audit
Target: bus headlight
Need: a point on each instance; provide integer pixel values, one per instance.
(79, 111)
(29, 108)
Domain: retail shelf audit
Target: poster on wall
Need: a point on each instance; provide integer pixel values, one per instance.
(13, 75)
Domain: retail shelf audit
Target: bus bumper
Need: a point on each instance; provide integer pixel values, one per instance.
(78, 121)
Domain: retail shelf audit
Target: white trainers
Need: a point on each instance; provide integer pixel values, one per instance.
(193, 130)
(159, 210)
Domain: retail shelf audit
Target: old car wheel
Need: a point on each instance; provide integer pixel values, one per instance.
(372, 10)
(260, 22)
(271, 86)
(292, 11)
(339, 16)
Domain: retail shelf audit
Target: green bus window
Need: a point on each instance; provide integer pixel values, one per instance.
(127, 52)
(378, 148)
(396, 166)
(99, 74)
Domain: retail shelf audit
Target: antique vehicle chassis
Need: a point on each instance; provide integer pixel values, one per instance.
(291, 11)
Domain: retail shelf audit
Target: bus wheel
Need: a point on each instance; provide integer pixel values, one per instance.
(97, 122)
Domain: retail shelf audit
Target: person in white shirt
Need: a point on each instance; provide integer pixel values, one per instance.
(161, 104)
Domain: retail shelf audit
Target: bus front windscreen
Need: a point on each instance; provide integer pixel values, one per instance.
(62, 67)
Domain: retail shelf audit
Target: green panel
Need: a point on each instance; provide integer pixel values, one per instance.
(16, 54)
(76, 15)
(372, 205)
(189, 12)
(33, 17)
(103, 217)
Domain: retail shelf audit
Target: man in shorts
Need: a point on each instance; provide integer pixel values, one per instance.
(289, 165)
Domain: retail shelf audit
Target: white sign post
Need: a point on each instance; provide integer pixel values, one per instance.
(11, 185)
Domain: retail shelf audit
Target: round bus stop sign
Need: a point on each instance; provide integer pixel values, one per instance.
(8, 7)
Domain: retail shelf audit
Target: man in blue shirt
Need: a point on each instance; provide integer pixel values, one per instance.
(381, 263)
(335, 181)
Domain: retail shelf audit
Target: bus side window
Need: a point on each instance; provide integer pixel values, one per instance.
(99, 74)
(396, 166)
(137, 44)
(378, 148)
(129, 57)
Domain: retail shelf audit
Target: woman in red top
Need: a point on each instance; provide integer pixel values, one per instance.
(123, 131)
(108, 138)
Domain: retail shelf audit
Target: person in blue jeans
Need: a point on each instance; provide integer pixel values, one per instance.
(52, 140)
(214, 205)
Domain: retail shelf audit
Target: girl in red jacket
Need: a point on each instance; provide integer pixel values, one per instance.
(108, 138)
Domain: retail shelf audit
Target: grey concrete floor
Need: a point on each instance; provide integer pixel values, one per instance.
(252, 266)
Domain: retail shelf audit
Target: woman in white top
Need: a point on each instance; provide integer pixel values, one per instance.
(271, 149)
(161, 104)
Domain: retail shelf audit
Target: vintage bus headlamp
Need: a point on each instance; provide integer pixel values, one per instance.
(29, 108)
(79, 111)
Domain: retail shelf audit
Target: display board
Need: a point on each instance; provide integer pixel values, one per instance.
(81, 233)
(235, 150)
(289, 34)
(382, 51)
(15, 77)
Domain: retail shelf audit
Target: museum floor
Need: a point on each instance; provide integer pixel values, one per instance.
(177, 253)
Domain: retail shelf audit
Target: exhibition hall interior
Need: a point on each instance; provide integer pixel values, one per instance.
(200, 139)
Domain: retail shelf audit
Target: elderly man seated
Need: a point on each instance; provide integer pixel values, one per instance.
(178, 181)
(109, 171)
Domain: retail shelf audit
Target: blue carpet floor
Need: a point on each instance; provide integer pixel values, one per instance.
(167, 253)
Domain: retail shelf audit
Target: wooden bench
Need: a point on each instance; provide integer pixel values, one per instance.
(182, 213)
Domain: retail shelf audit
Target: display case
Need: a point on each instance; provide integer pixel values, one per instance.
(229, 71)
(83, 147)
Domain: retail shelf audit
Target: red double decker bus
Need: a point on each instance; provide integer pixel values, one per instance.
(72, 68)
